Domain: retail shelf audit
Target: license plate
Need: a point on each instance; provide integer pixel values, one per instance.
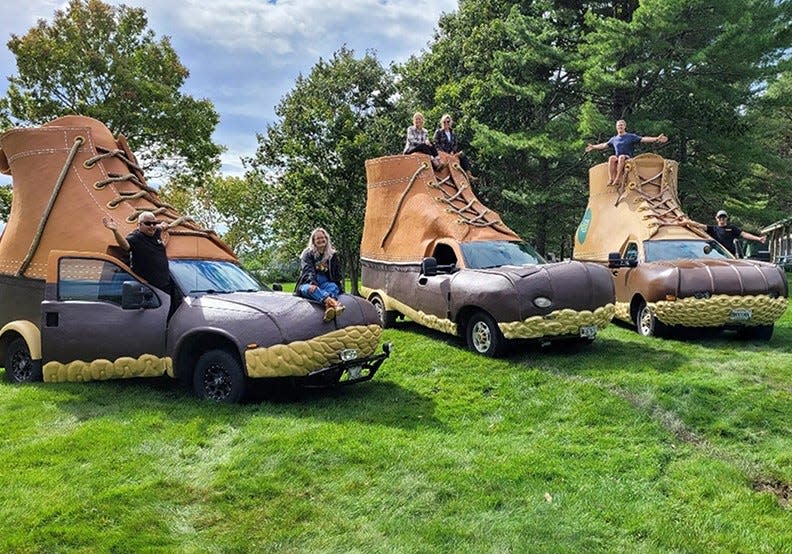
(588, 331)
(740, 314)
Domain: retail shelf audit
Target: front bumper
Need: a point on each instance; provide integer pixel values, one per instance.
(348, 372)
(565, 322)
(719, 310)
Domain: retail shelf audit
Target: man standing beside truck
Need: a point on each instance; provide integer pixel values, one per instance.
(724, 232)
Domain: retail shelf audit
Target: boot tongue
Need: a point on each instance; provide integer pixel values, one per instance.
(100, 134)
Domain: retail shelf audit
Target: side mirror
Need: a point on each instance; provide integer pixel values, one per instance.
(429, 267)
(615, 261)
(277, 287)
(135, 296)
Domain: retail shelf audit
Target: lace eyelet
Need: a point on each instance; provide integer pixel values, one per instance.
(88, 164)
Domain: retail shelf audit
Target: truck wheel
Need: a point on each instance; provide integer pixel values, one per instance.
(646, 323)
(484, 336)
(219, 377)
(387, 317)
(19, 366)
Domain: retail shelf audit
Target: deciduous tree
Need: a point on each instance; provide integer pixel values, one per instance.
(312, 160)
(103, 61)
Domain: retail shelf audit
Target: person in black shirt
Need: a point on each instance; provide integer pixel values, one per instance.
(147, 251)
(724, 232)
(445, 139)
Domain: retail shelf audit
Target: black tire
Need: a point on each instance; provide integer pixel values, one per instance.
(646, 323)
(219, 377)
(19, 366)
(484, 336)
(387, 317)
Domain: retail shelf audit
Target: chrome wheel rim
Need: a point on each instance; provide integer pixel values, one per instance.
(646, 321)
(482, 336)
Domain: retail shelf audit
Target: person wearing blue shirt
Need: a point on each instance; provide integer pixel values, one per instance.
(623, 144)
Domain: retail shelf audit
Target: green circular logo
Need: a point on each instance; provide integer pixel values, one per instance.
(583, 228)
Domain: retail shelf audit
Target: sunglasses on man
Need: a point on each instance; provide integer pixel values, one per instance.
(149, 223)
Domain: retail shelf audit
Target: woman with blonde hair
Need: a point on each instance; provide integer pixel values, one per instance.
(418, 141)
(321, 278)
(445, 139)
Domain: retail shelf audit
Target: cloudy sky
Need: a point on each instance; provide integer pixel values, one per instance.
(244, 55)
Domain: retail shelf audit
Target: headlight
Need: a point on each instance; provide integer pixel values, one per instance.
(542, 302)
(348, 354)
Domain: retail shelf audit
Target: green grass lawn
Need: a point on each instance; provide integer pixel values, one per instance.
(630, 445)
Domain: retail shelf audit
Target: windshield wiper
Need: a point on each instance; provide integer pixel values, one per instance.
(210, 291)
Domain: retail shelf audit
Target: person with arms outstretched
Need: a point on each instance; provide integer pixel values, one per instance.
(724, 232)
(623, 144)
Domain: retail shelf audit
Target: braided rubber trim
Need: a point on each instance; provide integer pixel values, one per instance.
(444, 325)
(560, 322)
(715, 311)
(623, 312)
(147, 365)
(299, 358)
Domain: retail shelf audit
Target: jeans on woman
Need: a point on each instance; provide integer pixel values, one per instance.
(326, 288)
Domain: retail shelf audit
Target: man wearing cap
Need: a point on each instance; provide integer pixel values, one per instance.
(724, 232)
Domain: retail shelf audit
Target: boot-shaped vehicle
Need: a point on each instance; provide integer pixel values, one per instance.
(71, 309)
(433, 252)
(666, 274)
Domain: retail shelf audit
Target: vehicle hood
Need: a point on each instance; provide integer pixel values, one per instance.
(685, 278)
(508, 292)
(266, 318)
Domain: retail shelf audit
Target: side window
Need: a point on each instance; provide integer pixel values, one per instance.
(444, 255)
(91, 280)
(631, 252)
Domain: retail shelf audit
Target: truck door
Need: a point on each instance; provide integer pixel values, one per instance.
(83, 319)
(622, 274)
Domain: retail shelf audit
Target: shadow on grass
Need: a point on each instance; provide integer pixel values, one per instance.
(373, 402)
(568, 356)
(607, 355)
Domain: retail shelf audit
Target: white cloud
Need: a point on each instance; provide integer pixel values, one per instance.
(244, 55)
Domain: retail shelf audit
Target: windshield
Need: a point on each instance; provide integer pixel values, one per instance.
(658, 250)
(495, 253)
(198, 276)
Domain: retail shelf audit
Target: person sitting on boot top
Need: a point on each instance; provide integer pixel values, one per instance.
(320, 273)
(724, 232)
(146, 249)
(623, 144)
(418, 141)
(446, 140)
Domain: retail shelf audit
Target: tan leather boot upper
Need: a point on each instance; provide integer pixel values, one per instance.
(645, 205)
(410, 207)
(67, 175)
